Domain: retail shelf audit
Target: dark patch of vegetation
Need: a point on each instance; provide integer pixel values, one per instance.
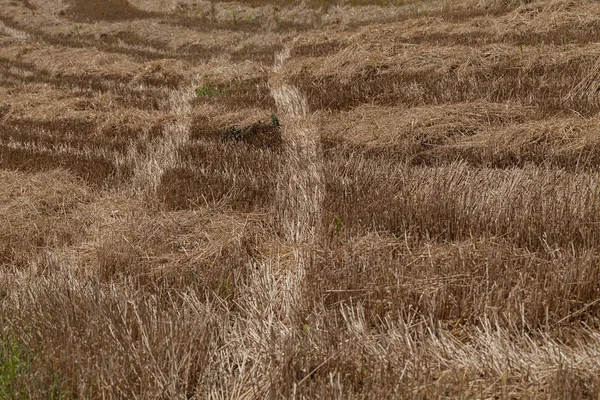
(559, 35)
(543, 86)
(220, 172)
(105, 10)
(238, 94)
(4, 110)
(260, 54)
(28, 5)
(316, 49)
(93, 169)
(260, 134)
(81, 134)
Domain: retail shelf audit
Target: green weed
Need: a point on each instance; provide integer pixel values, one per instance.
(15, 360)
(207, 90)
(275, 121)
(15, 364)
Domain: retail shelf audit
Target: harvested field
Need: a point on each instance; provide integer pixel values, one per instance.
(299, 199)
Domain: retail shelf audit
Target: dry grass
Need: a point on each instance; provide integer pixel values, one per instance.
(267, 199)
